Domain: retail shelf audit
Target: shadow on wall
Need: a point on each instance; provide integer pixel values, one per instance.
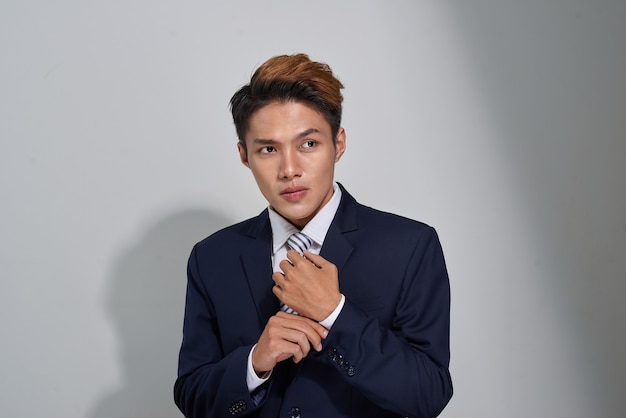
(146, 301)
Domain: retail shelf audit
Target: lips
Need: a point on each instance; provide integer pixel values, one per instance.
(293, 194)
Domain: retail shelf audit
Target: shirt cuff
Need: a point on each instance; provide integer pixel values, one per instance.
(330, 320)
(253, 381)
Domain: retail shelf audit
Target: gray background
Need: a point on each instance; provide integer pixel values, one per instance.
(501, 123)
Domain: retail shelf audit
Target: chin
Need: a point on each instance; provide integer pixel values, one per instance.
(296, 217)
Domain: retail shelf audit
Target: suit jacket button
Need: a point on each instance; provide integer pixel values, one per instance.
(237, 407)
(294, 412)
(351, 372)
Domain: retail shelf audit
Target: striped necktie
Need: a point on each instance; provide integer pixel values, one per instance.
(298, 242)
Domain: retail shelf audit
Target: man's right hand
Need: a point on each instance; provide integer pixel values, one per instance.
(286, 336)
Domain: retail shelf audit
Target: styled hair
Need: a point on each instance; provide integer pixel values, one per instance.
(289, 78)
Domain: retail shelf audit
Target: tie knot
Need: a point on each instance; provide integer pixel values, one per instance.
(299, 242)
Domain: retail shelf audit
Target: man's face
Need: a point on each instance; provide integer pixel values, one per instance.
(292, 157)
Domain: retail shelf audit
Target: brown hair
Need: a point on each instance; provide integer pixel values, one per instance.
(289, 78)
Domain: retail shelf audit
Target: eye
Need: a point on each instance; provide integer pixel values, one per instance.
(267, 150)
(309, 144)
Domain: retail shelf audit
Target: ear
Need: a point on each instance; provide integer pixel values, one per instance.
(340, 144)
(243, 155)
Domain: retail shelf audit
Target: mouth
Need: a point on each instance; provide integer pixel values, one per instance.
(293, 194)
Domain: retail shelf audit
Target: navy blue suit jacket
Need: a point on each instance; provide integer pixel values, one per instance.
(387, 354)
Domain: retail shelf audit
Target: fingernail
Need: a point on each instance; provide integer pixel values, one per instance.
(319, 347)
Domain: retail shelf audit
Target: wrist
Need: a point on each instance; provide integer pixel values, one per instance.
(328, 308)
(261, 372)
(254, 379)
(329, 320)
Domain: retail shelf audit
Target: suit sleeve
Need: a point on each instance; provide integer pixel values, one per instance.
(402, 368)
(209, 383)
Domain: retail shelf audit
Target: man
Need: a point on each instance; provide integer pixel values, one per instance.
(318, 307)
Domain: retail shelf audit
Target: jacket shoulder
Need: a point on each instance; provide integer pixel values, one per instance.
(232, 236)
(354, 215)
(375, 218)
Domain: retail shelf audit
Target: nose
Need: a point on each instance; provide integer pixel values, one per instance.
(289, 165)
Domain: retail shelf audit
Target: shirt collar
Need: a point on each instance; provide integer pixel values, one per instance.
(316, 228)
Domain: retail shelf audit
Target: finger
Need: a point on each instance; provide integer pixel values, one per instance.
(279, 281)
(278, 292)
(306, 338)
(278, 278)
(290, 342)
(314, 325)
(286, 265)
(316, 259)
(289, 349)
(301, 339)
(295, 261)
(294, 256)
(313, 331)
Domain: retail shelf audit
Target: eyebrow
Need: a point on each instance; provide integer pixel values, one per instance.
(307, 133)
(262, 141)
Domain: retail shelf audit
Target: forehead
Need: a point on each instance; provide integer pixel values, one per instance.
(284, 119)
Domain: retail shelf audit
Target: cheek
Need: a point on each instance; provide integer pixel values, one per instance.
(265, 183)
(261, 172)
(261, 180)
(327, 168)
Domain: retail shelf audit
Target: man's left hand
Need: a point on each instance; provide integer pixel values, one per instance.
(309, 285)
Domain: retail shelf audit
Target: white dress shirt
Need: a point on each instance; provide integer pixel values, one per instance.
(316, 229)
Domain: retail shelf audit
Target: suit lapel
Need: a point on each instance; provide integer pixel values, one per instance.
(337, 248)
(257, 265)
